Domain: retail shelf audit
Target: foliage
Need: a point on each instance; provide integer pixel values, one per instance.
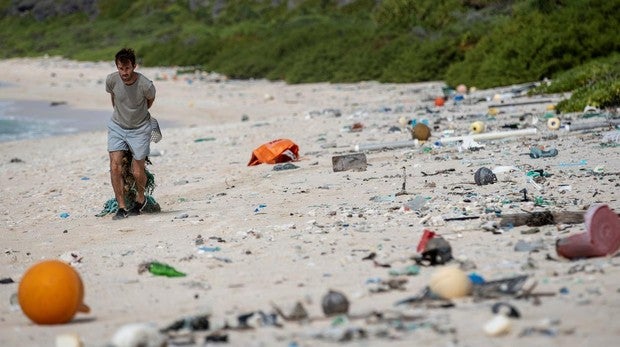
(596, 83)
(482, 43)
(537, 44)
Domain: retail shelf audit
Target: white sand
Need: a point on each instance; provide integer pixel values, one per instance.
(317, 225)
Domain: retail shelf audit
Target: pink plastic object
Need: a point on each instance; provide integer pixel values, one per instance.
(602, 236)
(424, 240)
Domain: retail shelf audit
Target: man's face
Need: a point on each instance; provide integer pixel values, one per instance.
(125, 70)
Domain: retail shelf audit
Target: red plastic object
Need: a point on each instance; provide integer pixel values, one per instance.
(602, 236)
(439, 101)
(424, 240)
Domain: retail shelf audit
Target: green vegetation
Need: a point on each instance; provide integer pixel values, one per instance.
(596, 83)
(484, 43)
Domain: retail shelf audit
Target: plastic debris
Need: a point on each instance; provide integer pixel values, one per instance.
(477, 127)
(137, 335)
(206, 249)
(260, 208)
(484, 176)
(159, 269)
(410, 270)
(193, 323)
(506, 309)
(285, 166)
(435, 249)
(450, 282)
(421, 132)
(601, 238)
(69, 340)
(497, 326)
(536, 152)
(334, 303)
(497, 288)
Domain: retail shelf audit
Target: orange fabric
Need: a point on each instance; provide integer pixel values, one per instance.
(276, 151)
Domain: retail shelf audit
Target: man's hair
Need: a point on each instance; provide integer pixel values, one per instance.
(125, 55)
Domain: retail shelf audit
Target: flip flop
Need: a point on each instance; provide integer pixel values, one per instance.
(602, 236)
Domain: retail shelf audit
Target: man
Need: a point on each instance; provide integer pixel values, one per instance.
(129, 129)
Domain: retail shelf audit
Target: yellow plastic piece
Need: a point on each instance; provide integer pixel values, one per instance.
(493, 111)
(477, 127)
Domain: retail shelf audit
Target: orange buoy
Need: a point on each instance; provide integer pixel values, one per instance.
(439, 101)
(51, 292)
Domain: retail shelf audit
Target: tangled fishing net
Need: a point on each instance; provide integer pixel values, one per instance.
(130, 191)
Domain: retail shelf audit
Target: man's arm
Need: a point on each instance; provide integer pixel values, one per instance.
(112, 97)
(149, 102)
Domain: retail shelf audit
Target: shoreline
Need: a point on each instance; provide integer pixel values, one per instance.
(41, 118)
(38, 118)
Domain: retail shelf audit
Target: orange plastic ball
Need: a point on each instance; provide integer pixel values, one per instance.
(439, 101)
(51, 292)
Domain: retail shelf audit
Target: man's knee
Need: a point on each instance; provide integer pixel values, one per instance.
(116, 164)
(138, 168)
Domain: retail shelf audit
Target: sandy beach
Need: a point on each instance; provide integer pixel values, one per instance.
(276, 238)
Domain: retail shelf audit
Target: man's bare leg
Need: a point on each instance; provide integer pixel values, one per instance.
(138, 168)
(116, 177)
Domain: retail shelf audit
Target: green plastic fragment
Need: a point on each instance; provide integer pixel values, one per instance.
(161, 269)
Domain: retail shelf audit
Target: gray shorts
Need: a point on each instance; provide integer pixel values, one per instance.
(137, 140)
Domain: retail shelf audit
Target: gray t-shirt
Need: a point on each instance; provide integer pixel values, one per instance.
(130, 106)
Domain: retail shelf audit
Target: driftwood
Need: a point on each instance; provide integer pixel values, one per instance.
(543, 218)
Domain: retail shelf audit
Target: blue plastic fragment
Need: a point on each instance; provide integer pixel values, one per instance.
(475, 278)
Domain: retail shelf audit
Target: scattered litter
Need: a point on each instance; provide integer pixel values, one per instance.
(273, 152)
(536, 152)
(386, 198)
(69, 340)
(159, 269)
(601, 238)
(582, 162)
(434, 250)
(206, 249)
(285, 166)
(138, 334)
(297, 313)
(204, 139)
(450, 282)
(505, 309)
(411, 270)
(334, 303)
(498, 325)
(497, 288)
(484, 176)
(193, 323)
(531, 246)
(421, 132)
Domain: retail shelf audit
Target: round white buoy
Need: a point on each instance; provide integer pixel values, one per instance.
(553, 123)
(450, 282)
